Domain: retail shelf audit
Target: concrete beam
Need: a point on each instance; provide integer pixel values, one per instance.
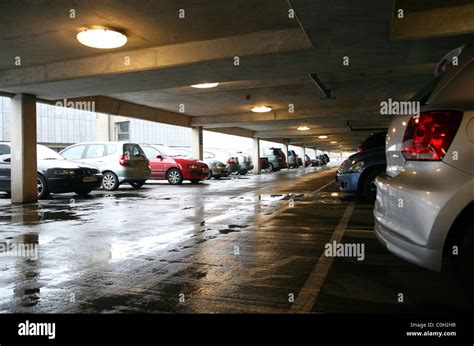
(236, 131)
(299, 134)
(326, 108)
(423, 19)
(257, 43)
(24, 187)
(108, 105)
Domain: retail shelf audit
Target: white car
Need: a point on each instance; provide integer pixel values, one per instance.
(424, 210)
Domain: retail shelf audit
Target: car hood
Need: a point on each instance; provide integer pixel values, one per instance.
(48, 164)
(187, 160)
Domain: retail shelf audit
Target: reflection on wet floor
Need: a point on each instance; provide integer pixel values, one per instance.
(230, 245)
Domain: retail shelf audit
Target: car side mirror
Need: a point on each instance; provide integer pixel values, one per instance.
(8, 159)
(160, 157)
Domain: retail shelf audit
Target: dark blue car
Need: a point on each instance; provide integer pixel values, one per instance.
(357, 174)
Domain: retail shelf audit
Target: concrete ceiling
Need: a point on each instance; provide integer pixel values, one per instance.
(277, 55)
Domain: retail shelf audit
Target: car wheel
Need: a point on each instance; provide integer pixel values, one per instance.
(110, 181)
(42, 187)
(174, 176)
(83, 192)
(269, 168)
(243, 172)
(137, 184)
(369, 189)
(209, 176)
(195, 181)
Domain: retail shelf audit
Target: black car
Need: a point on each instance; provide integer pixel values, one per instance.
(55, 174)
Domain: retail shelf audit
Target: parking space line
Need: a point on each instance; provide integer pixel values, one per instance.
(321, 188)
(312, 287)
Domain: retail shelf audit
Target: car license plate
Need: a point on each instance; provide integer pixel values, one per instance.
(90, 179)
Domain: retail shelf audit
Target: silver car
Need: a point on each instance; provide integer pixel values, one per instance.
(424, 207)
(119, 162)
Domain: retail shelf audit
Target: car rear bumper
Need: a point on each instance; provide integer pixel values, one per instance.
(404, 248)
(127, 175)
(348, 182)
(415, 210)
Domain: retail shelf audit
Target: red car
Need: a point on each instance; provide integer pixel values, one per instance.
(168, 163)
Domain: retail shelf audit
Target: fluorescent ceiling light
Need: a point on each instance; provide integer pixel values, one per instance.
(333, 142)
(303, 128)
(323, 137)
(205, 85)
(101, 38)
(261, 109)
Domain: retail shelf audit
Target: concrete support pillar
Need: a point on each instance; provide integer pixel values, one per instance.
(304, 156)
(286, 143)
(23, 141)
(256, 155)
(197, 142)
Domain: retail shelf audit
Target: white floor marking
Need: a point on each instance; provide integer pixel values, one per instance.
(312, 287)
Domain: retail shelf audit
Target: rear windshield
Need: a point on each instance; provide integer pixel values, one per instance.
(134, 150)
(374, 141)
(424, 94)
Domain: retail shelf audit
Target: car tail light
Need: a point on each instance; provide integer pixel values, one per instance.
(229, 161)
(429, 135)
(359, 149)
(123, 160)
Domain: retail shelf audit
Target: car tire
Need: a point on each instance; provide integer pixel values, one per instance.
(83, 192)
(369, 190)
(243, 172)
(43, 190)
(463, 263)
(174, 176)
(195, 181)
(269, 168)
(209, 175)
(137, 183)
(110, 181)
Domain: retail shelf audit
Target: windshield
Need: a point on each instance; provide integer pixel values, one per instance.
(44, 153)
(169, 151)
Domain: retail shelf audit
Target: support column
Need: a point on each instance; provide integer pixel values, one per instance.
(286, 143)
(197, 142)
(304, 156)
(256, 155)
(23, 156)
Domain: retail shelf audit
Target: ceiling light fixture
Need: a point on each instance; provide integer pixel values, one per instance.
(101, 38)
(333, 142)
(302, 128)
(261, 109)
(323, 137)
(205, 85)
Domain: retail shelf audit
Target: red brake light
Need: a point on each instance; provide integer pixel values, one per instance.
(123, 160)
(429, 135)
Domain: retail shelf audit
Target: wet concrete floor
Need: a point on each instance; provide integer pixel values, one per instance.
(251, 244)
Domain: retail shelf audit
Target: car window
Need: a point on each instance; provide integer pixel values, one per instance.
(134, 150)
(374, 141)
(110, 149)
(45, 153)
(151, 153)
(4, 149)
(73, 153)
(95, 150)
